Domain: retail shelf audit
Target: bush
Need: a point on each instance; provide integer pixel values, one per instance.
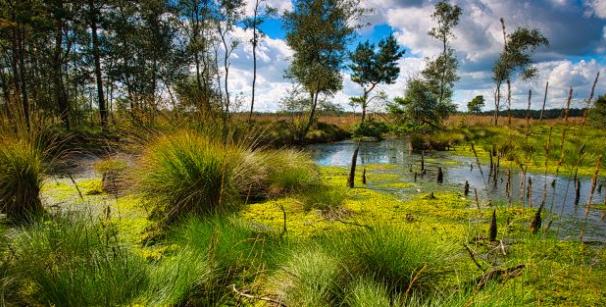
(187, 173)
(371, 128)
(21, 176)
(73, 262)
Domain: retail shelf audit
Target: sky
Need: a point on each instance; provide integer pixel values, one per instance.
(576, 30)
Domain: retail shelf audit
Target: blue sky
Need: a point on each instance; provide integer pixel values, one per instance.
(576, 30)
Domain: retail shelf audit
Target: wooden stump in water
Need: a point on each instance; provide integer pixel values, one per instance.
(466, 191)
(440, 175)
(577, 195)
(536, 223)
(364, 176)
(493, 226)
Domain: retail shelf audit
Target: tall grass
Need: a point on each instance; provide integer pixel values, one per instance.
(366, 267)
(76, 262)
(21, 176)
(215, 252)
(189, 173)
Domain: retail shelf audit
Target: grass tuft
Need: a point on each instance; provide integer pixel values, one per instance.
(21, 176)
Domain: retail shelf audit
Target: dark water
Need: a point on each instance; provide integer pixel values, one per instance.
(559, 198)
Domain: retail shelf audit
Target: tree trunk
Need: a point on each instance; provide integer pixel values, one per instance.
(312, 114)
(98, 75)
(23, 85)
(59, 88)
(352, 172)
(509, 103)
(254, 51)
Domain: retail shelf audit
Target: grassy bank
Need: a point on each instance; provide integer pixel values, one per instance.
(318, 247)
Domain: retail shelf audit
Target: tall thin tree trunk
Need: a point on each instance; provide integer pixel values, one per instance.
(509, 103)
(98, 75)
(59, 87)
(23, 85)
(254, 50)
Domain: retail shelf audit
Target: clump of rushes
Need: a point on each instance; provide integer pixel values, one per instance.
(187, 173)
(381, 264)
(76, 262)
(214, 253)
(21, 176)
(290, 171)
(367, 292)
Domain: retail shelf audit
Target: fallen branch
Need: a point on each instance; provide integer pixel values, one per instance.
(256, 297)
(473, 257)
(500, 275)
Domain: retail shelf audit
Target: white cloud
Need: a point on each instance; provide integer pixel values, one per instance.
(572, 33)
(597, 7)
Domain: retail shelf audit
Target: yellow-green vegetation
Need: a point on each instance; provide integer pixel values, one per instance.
(188, 172)
(565, 148)
(21, 176)
(320, 245)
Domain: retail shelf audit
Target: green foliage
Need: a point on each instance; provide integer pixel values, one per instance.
(76, 262)
(371, 128)
(597, 115)
(318, 32)
(476, 104)
(516, 57)
(441, 73)
(21, 176)
(187, 173)
(228, 251)
(363, 266)
(367, 292)
(419, 110)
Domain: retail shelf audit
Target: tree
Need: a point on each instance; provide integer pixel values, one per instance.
(476, 104)
(318, 31)
(419, 109)
(94, 12)
(515, 59)
(260, 14)
(597, 115)
(441, 73)
(371, 67)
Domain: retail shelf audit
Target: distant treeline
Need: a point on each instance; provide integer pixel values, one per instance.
(548, 113)
(518, 113)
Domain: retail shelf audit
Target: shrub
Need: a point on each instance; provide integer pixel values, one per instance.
(21, 176)
(73, 262)
(371, 128)
(187, 173)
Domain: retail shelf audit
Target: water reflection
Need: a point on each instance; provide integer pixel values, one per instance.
(531, 190)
